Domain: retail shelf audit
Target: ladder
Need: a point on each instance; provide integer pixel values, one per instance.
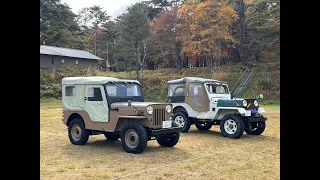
(243, 82)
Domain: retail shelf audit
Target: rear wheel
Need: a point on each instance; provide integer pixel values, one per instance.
(203, 126)
(232, 126)
(182, 120)
(77, 132)
(168, 140)
(256, 128)
(134, 138)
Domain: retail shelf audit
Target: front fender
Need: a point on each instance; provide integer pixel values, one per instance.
(222, 111)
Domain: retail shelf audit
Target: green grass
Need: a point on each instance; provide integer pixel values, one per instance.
(198, 154)
(50, 100)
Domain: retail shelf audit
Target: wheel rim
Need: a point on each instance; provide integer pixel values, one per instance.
(254, 128)
(131, 138)
(179, 120)
(230, 126)
(76, 132)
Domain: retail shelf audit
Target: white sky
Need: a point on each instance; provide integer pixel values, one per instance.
(112, 7)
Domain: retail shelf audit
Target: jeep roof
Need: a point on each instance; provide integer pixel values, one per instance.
(193, 80)
(94, 80)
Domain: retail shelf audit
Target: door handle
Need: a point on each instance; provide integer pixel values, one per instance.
(85, 98)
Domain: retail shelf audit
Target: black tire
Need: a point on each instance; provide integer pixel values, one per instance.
(203, 126)
(169, 140)
(134, 138)
(181, 118)
(78, 134)
(257, 128)
(112, 137)
(232, 126)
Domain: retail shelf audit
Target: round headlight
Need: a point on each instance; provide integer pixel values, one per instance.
(149, 110)
(244, 103)
(168, 109)
(256, 103)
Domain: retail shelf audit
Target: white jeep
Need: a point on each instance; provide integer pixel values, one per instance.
(207, 102)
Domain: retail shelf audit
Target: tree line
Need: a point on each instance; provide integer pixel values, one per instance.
(156, 34)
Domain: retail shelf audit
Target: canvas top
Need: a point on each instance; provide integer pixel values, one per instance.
(94, 80)
(193, 79)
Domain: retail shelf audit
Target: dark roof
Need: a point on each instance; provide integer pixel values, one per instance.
(58, 51)
(193, 79)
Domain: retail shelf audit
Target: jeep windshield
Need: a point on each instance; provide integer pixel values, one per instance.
(217, 88)
(123, 91)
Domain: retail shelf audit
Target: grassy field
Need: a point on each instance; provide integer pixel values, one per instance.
(198, 155)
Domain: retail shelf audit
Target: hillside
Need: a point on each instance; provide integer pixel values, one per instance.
(266, 80)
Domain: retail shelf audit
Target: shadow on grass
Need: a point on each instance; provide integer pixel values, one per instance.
(104, 147)
(213, 133)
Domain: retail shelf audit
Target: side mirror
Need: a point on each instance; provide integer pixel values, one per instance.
(260, 96)
(129, 103)
(231, 96)
(169, 100)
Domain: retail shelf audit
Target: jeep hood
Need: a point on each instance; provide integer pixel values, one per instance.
(138, 105)
(230, 102)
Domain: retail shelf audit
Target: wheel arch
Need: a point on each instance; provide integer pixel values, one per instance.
(73, 116)
(221, 112)
(123, 121)
(179, 109)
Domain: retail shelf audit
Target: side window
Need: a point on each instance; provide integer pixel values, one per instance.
(94, 94)
(196, 90)
(176, 90)
(196, 94)
(70, 90)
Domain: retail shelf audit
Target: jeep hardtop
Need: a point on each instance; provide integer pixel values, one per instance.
(116, 108)
(206, 102)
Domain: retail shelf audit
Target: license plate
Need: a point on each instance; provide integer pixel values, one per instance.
(248, 113)
(166, 124)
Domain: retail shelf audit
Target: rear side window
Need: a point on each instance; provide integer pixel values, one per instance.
(176, 90)
(70, 90)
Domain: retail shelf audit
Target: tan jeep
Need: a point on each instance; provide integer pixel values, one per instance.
(116, 108)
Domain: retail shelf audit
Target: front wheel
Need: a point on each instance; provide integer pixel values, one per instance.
(256, 128)
(134, 138)
(77, 132)
(232, 126)
(203, 126)
(182, 120)
(169, 140)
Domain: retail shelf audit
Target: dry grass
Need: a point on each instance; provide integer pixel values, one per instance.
(198, 155)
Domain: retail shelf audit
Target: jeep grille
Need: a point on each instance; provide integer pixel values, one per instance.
(158, 117)
(250, 101)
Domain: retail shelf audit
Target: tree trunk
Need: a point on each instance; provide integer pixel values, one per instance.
(219, 54)
(211, 61)
(144, 44)
(138, 62)
(243, 27)
(257, 54)
(107, 55)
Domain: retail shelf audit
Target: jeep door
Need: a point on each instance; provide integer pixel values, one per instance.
(95, 103)
(196, 96)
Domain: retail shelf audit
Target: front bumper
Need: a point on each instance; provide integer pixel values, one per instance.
(155, 132)
(255, 119)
